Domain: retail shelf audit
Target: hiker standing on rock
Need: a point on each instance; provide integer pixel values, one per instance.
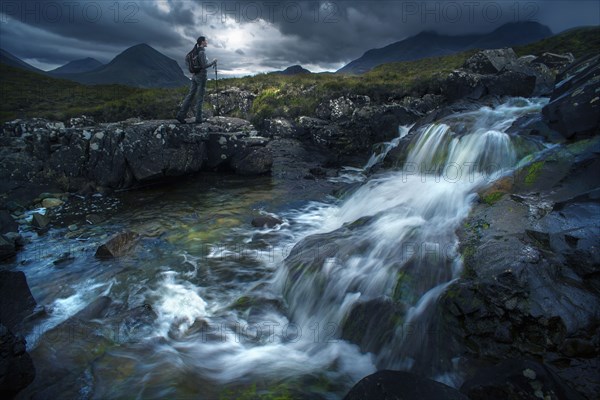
(197, 65)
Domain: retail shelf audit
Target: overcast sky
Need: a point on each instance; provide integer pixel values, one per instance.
(250, 37)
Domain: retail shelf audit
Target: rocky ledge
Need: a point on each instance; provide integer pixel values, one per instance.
(128, 153)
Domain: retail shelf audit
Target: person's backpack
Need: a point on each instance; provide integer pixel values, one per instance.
(192, 60)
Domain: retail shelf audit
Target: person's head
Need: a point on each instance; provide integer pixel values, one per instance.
(202, 42)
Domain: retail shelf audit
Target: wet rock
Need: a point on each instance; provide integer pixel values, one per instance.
(266, 221)
(7, 222)
(136, 324)
(7, 248)
(554, 61)
(517, 379)
(292, 159)
(371, 324)
(391, 385)
(16, 301)
(52, 202)
(39, 220)
(574, 108)
(118, 245)
(258, 161)
(96, 309)
(16, 367)
(94, 219)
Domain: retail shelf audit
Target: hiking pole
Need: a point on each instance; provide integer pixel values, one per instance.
(217, 89)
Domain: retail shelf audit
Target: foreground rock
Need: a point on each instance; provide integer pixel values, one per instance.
(392, 385)
(16, 368)
(16, 304)
(16, 300)
(574, 108)
(118, 245)
(121, 155)
(517, 379)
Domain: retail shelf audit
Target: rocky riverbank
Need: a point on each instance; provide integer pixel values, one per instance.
(530, 288)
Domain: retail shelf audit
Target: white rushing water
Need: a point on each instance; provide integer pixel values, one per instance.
(412, 216)
(276, 312)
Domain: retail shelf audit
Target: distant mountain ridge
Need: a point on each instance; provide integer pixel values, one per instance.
(431, 44)
(14, 61)
(77, 66)
(138, 66)
(293, 70)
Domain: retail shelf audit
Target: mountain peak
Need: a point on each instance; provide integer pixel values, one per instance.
(431, 44)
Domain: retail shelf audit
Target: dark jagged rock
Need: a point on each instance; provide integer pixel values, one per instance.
(371, 324)
(7, 248)
(117, 246)
(531, 282)
(16, 367)
(392, 385)
(266, 220)
(7, 223)
(119, 155)
(490, 61)
(39, 220)
(280, 128)
(574, 108)
(341, 108)
(554, 61)
(232, 100)
(16, 300)
(258, 161)
(354, 129)
(499, 72)
(517, 379)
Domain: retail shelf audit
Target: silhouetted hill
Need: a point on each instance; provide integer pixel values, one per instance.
(77, 66)
(432, 44)
(293, 70)
(138, 66)
(14, 61)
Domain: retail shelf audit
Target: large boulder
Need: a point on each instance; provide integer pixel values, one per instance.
(117, 245)
(517, 379)
(16, 300)
(16, 368)
(490, 61)
(392, 385)
(532, 271)
(574, 108)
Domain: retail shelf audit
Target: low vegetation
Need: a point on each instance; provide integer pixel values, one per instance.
(28, 94)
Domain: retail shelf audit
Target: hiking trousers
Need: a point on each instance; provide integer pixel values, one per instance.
(197, 88)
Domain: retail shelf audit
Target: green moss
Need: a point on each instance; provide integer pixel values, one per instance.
(492, 198)
(251, 392)
(533, 172)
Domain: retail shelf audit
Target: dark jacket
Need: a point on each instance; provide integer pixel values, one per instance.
(203, 61)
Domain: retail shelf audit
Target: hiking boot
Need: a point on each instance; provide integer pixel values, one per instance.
(180, 119)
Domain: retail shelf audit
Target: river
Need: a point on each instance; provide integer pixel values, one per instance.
(245, 311)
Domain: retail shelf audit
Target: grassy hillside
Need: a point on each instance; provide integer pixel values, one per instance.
(579, 41)
(27, 94)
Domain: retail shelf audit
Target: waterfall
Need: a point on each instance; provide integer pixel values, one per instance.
(345, 289)
(393, 241)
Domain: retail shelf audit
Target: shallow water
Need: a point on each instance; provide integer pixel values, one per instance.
(233, 319)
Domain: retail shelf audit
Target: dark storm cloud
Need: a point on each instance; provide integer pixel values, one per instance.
(251, 35)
